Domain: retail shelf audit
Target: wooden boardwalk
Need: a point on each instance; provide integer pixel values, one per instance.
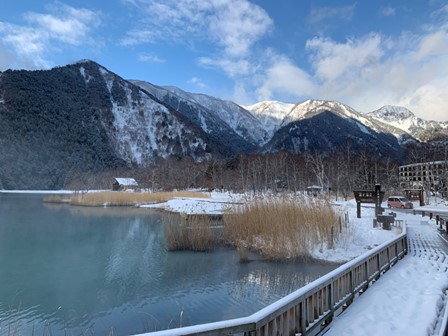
(428, 255)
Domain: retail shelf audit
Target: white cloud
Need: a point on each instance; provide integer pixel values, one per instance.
(432, 45)
(388, 11)
(71, 27)
(284, 78)
(231, 27)
(429, 101)
(232, 67)
(145, 57)
(332, 60)
(43, 33)
(324, 13)
(27, 44)
(196, 81)
(237, 25)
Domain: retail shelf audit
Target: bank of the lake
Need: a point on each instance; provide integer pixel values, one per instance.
(83, 270)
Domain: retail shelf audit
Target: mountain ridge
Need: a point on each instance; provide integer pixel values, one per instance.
(83, 117)
(388, 116)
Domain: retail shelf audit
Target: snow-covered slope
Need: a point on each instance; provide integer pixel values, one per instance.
(215, 116)
(271, 114)
(144, 129)
(404, 119)
(275, 115)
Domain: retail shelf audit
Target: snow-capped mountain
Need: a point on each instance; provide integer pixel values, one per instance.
(277, 115)
(404, 119)
(329, 129)
(221, 118)
(271, 114)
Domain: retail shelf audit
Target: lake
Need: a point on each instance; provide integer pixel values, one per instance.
(97, 271)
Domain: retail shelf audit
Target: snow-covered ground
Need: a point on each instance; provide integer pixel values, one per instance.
(409, 299)
(216, 204)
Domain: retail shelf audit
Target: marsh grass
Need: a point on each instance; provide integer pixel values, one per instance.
(57, 199)
(192, 232)
(117, 198)
(282, 228)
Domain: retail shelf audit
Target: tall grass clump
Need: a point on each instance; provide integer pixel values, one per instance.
(281, 227)
(192, 232)
(122, 198)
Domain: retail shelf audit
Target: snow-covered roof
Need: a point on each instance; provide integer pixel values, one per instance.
(423, 164)
(127, 181)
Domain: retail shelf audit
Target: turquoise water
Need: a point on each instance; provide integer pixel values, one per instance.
(94, 271)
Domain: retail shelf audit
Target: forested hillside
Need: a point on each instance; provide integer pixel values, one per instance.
(51, 128)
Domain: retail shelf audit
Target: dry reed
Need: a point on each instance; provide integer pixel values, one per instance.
(282, 228)
(117, 198)
(57, 199)
(191, 232)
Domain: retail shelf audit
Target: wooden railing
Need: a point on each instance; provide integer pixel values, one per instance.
(308, 310)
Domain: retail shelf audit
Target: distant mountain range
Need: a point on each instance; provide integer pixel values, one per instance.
(82, 117)
(395, 120)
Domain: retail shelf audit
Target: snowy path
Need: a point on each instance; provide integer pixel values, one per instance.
(410, 299)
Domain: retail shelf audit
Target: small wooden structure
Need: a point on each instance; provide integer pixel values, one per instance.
(415, 194)
(124, 183)
(369, 196)
(314, 190)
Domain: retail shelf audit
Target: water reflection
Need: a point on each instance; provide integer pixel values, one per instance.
(83, 270)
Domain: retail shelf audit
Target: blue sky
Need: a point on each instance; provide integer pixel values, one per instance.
(365, 53)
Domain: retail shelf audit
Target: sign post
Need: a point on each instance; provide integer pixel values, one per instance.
(369, 196)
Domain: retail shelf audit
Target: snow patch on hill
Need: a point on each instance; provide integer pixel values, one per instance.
(144, 129)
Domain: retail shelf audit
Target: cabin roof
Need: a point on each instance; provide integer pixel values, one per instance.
(127, 181)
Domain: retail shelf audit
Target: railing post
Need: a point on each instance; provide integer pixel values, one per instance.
(366, 273)
(388, 257)
(378, 264)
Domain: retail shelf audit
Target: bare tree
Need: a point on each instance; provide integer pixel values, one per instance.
(315, 162)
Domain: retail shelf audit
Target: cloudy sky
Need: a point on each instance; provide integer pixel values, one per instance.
(366, 53)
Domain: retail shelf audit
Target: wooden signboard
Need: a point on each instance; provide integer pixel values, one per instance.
(415, 194)
(369, 196)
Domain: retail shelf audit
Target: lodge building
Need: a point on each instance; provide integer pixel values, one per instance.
(429, 175)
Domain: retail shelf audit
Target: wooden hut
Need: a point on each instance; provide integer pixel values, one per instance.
(124, 183)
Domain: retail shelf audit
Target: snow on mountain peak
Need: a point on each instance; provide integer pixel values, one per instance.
(270, 113)
(392, 112)
(399, 117)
